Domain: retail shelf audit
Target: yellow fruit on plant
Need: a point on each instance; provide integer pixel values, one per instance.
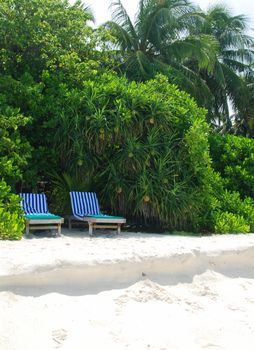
(146, 199)
(119, 190)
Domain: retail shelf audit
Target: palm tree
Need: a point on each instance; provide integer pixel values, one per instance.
(233, 61)
(160, 40)
(205, 54)
(243, 122)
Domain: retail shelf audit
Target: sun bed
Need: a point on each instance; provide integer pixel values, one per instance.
(37, 214)
(85, 207)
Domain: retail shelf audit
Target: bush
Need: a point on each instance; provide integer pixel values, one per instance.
(142, 146)
(233, 158)
(228, 212)
(231, 202)
(12, 219)
(226, 222)
(14, 152)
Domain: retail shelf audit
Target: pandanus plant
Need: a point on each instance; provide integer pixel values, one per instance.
(151, 162)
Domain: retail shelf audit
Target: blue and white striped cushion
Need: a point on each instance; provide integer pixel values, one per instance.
(34, 203)
(84, 203)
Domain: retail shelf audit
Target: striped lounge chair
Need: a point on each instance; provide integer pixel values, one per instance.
(85, 207)
(37, 214)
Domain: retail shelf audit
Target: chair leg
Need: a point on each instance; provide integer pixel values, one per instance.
(118, 229)
(27, 228)
(70, 225)
(90, 228)
(59, 229)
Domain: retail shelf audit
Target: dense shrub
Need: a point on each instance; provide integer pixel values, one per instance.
(12, 219)
(226, 222)
(231, 214)
(233, 158)
(142, 146)
(36, 34)
(233, 203)
(39, 38)
(13, 157)
(14, 149)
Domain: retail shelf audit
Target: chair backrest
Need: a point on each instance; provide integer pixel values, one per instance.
(34, 203)
(84, 203)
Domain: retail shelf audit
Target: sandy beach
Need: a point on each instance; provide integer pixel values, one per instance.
(132, 291)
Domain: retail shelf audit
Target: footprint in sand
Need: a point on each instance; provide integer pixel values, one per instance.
(59, 336)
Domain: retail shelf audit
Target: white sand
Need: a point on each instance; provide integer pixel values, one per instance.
(133, 291)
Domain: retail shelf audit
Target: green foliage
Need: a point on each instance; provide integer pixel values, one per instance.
(233, 59)
(160, 41)
(35, 34)
(230, 205)
(244, 119)
(233, 158)
(204, 53)
(62, 185)
(226, 222)
(12, 219)
(226, 205)
(13, 157)
(143, 147)
(45, 46)
(14, 151)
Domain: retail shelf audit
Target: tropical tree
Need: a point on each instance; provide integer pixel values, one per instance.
(160, 40)
(36, 34)
(42, 43)
(243, 121)
(206, 54)
(233, 61)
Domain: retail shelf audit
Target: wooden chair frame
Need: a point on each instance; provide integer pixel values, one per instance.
(102, 223)
(41, 224)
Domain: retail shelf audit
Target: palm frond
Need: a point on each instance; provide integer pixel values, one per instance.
(234, 83)
(124, 40)
(188, 80)
(203, 49)
(121, 17)
(244, 56)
